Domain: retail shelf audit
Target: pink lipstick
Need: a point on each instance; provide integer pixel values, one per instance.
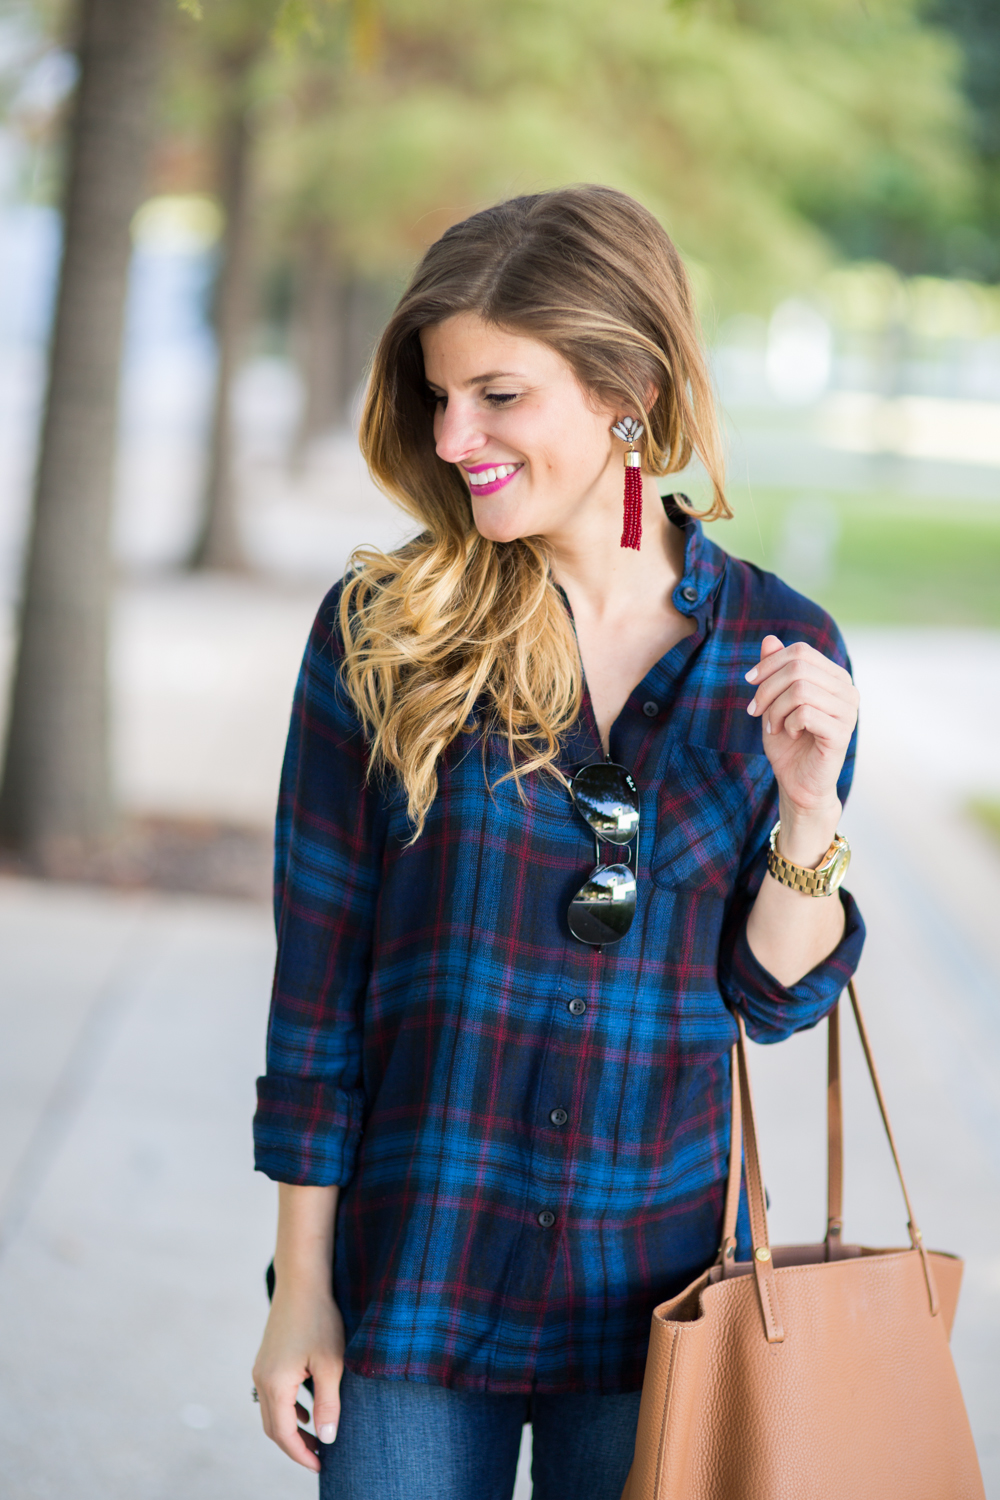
(486, 479)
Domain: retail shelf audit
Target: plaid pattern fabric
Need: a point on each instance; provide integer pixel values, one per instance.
(433, 1017)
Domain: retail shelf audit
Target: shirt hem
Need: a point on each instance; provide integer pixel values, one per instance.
(527, 1385)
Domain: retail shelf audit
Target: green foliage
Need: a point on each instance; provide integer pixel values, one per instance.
(750, 128)
(895, 561)
(973, 248)
(986, 812)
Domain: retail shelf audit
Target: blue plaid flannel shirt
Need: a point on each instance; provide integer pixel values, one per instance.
(530, 1135)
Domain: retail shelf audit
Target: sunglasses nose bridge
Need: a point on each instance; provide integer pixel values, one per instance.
(607, 798)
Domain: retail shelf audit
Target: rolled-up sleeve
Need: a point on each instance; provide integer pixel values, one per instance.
(772, 1010)
(328, 848)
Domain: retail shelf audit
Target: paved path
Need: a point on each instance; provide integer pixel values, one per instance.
(133, 1230)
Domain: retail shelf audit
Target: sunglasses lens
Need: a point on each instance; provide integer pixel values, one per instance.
(607, 797)
(602, 909)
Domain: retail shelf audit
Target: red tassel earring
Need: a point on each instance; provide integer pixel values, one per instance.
(630, 431)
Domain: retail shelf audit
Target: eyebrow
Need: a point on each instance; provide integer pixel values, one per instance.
(485, 379)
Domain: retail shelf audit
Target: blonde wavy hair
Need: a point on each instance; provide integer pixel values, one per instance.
(454, 633)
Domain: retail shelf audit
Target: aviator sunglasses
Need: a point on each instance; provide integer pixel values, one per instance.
(606, 797)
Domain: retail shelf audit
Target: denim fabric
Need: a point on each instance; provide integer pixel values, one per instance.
(404, 1440)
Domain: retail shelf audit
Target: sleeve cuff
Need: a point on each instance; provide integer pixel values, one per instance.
(773, 1011)
(306, 1130)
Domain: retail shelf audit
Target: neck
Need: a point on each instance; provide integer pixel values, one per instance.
(605, 578)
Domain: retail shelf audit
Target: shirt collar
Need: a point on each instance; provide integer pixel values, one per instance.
(704, 562)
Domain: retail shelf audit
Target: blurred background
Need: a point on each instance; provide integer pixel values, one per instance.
(198, 291)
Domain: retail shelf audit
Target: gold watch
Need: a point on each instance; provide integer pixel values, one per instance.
(822, 881)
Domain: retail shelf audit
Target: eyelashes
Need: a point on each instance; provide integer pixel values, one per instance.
(495, 399)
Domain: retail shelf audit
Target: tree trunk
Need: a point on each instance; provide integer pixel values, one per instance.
(55, 795)
(218, 544)
(319, 340)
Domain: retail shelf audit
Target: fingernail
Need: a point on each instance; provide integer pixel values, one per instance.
(327, 1432)
(767, 725)
(751, 676)
(752, 706)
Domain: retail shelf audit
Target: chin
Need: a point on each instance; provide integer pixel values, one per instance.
(499, 533)
(500, 528)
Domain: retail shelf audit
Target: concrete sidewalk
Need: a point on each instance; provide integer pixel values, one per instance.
(134, 1232)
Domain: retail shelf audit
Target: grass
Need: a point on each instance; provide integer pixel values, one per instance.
(875, 558)
(986, 811)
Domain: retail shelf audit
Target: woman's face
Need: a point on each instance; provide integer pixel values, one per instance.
(512, 407)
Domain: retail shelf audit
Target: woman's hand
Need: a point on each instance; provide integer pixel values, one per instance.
(304, 1336)
(809, 707)
(305, 1332)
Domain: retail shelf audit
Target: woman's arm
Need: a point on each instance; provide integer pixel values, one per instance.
(304, 1333)
(808, 706)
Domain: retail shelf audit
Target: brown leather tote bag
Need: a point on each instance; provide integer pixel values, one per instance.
(812, 1372)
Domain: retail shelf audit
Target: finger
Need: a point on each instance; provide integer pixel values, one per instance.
(769, 647)
(806, 720)
(326, 1400)
(806, 706)
(801, 693)
(304, 1415)
(279, 1413)
(825, 675)
(778, 656)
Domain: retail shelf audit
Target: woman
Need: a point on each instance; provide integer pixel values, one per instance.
(498, 1089)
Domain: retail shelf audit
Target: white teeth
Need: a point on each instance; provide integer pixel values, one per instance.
(490, 476)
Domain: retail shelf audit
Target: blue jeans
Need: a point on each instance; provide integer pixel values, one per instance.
(400, 1440)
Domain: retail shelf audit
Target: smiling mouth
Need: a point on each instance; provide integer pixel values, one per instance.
(487, 480)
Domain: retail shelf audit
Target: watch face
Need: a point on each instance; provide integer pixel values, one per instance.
(838, 868)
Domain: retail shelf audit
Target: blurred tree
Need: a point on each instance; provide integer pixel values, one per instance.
(231, 37)
(755, 129)
(229, 52)
(973, 248)
(55, 790)
(55, 798)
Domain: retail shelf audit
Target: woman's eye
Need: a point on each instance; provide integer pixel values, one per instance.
(434, 398)
(500, 400)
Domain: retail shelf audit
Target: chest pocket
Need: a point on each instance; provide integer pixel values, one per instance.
(706, 802)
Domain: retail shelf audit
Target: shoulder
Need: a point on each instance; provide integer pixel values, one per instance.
(326, 636)
(321, 693)
(753, 603)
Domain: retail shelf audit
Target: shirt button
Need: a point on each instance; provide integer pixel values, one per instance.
(558, 1116)
(651, 709)
(690, 593)
(546, 1218)
(577, 1007)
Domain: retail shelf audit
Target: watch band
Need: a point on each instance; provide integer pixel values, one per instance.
(823, 880)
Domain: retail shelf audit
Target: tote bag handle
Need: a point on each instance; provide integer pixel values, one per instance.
(744, 1135)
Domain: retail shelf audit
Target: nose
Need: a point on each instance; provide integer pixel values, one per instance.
(458, 431)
